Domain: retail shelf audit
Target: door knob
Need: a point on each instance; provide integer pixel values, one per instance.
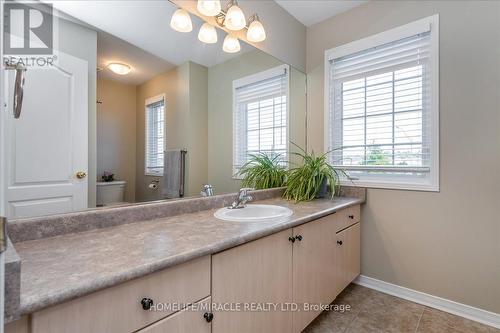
(299, 238)
(81, 174)
(291, 239)
(339, 242)
(208, 316)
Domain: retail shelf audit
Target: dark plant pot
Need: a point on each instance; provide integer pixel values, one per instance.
(323, 190)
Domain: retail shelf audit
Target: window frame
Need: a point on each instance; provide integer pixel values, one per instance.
(384, 180)
(147, 102)
(252, 79)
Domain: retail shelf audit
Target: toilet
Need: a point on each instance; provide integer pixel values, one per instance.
(110, 193)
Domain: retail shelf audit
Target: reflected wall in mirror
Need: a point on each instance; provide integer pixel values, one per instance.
(139, 112)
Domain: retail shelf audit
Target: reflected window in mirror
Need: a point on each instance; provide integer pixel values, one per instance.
(260, 116)
(155, 135)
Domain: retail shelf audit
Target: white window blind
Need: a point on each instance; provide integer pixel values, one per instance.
(381, 121)
(260, 116)
(155, 135)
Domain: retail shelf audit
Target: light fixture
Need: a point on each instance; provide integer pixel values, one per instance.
(209, 7)
(207, 34)
(181, 21)
(231, 44)
(235, 19)
(119, 68)
(256, 32)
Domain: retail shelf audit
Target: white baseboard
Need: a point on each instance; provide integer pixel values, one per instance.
(462, 310)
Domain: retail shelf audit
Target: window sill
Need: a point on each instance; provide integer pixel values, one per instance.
(152, 174)
(391, 185)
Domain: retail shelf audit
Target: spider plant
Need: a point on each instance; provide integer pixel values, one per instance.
(263, 171)
(315, 175)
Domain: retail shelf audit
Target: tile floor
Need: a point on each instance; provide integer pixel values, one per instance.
(376, 312)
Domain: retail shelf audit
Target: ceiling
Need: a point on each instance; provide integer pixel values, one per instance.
(139, 33)
(144, 65)
(310, 12)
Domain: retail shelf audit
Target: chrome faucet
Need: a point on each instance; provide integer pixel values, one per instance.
(207, 190)
(242, 198)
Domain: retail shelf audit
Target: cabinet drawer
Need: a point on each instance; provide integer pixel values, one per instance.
(119, 309)
(347, 217)
(190, 320)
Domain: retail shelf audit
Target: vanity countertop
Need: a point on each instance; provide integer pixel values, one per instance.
(61, 268)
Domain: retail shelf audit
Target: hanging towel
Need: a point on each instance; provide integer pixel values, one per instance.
(172, 174)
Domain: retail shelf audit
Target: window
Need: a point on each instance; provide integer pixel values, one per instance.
(155, 135)
(382, 108)
(260, 115)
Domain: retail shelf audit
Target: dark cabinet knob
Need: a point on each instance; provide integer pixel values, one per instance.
(351, 217)
(147, 303)
(208, 316)
(339, 242)
(291, 239)
(298, 237)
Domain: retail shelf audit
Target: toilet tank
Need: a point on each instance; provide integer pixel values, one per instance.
(110, 192)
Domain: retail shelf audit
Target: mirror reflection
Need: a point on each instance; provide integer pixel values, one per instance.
(131, 113)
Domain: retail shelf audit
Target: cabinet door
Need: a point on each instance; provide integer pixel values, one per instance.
(348, 256)
(189, 320)
(313, 268)
(259, 272)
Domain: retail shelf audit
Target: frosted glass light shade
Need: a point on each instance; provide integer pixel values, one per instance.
(235, 19)
(256, 32)
(119, 68)
(207, 34)
(209, 7)
(231, 44)
(181, 21)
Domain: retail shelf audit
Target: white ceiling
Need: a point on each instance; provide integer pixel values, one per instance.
(144, 65)
(310, 12)
(142, 27)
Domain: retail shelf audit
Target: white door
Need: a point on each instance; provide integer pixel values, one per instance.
(47, 146)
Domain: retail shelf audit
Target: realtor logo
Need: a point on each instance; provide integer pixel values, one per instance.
(28, 29)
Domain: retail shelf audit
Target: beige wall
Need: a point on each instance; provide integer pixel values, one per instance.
(448, 243)
(116, 132)
(185, 110)
(220, 112)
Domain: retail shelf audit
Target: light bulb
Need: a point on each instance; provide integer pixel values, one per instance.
(119, 68)
(231, 44)
(235, 19)
(181, 21)
(207, 34)
(256, 32)
(209, 7)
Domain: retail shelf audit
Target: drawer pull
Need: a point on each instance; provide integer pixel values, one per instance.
(339, 242)
(208, 316)
(298, 237)
(147, 303)
(291, 239)
(351, 217)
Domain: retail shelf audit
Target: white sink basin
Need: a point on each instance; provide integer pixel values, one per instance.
(254, 213)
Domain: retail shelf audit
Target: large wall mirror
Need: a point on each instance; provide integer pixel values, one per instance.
(133, 111)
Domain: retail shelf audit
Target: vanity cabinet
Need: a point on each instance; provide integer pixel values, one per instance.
(314, 268)
(260, 286)
(347, 256)
(256, 273)
(309, 264)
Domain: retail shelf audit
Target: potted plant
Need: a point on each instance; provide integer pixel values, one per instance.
(313, 178)
(263, 171)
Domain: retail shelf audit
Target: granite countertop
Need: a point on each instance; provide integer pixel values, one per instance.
(61, 268)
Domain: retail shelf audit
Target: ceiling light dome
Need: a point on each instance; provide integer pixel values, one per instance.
(256, 32)
(235, 19)
(209, 7)
(231, 44)
(181, 21)
(207, 34)
(119, 68)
